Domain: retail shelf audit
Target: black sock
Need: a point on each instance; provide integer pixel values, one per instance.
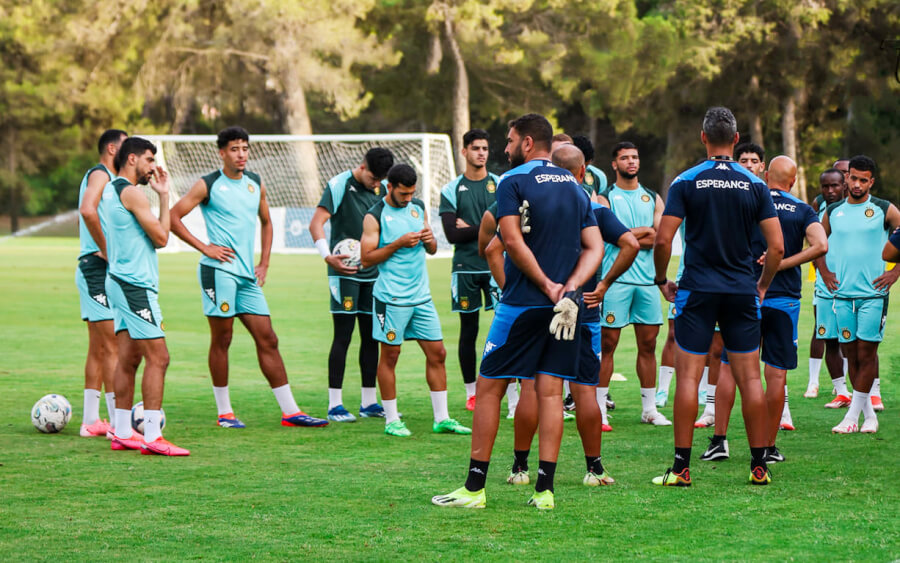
(477, 475)
(682, 459)
(468, 335)
(757, 458)
(368, 351)
(546, 471)
(594, 464)
(520, 463)
(718, 439)
(337, 357)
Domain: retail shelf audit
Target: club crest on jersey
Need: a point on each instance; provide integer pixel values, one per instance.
(821, 330)
(391, 335)
(589, 179)
(224, 307)
(610, 318)
(377, 190)
(414, 213)
(870, 212)
(645, 198)
(251, 188)
(846, 334)
(348, 303)
(491, 186)
(464, 302)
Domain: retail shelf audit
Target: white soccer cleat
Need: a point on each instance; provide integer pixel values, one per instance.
(787, 423)
(846, 427)
(655, 418)
(870, 426)
(811, 392)
(705, 421)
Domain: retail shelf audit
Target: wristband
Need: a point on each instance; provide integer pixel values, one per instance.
(663, 281)
(323, 249)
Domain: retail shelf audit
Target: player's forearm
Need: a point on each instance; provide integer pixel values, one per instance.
(621, 264)
(180, 230)
(494, 255)
(266, 236)
(662, 252)
(457, 235)
(773, 260)
(588, 263)
(821, 266)
(431, 247)
(377, 255)
(808, 254)
(92, 222)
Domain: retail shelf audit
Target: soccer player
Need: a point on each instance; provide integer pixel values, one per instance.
(857, 229)
(133, 235)
(824, 339)
(553, 247)
(231, 199)
(780, 310)
(752, 157)
(891, 252)
(594, 179)
(632, 299)
(589, 418)
(715, 197)
(90, 279)
(345, 201)
(463, 203)
(396, 236)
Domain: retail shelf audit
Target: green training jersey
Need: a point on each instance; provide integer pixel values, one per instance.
(402, 278)
(88, 244)
(858, 234)
(132, 256)
(468, 200)
(594, 180)
(230, 211)
(633, 208)
(348, 201)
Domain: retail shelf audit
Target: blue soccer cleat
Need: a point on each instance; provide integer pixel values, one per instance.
(371, 411)
(340, 414)
(228, 420)
(300, 418)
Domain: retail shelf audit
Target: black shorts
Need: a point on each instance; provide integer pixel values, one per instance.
(778, 328)
(519, 345)
(696, 315)
(350, 296)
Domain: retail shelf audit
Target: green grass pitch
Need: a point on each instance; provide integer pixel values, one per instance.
(348, 492)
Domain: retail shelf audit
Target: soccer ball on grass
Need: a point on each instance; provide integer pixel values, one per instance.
(137, 418)
(51, 413)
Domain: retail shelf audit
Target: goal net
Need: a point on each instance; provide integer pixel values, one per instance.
(295, 170)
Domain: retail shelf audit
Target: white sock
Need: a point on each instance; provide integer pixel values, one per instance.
(335, 398)
(710, 407)
(91, 412)
(876, 388)
(151, 425)
(439, 405)
(390, 410)
(111, 407)
(223, 400)
(512, 396)
(648, 399)
(786, 412)
(867, 409)
(846, 368)
(815, 365)
(665, 377)
(470, 389)
(367, 395)
(703, 380)
(786, 400)
(123, 423)
(840, 386)
(857, 404)
(566, 391)
(602, 392)
(286, 399)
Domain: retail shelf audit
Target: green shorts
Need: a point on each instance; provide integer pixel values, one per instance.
(90, 279)
(396, 323)
(350, 296)
(226, 295)
(135, 309)
(467, 289)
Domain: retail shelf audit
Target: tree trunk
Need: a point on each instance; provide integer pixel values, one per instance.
(789, 136)
(756, 134)
(670, 168)
(298, 123)
(14, 189)
(460, 93)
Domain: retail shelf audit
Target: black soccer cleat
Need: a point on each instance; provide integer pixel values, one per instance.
(569, 403)
(773, 455)
(715, 451)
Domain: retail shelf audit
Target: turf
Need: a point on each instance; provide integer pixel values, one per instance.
(348, 492)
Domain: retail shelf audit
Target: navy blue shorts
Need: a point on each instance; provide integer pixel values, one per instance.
(519, 345)
(589, 354)
(696, 315)
(778, 329)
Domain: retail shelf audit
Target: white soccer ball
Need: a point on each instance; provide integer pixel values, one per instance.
(137, 418)
(51, 413)
(350, 247)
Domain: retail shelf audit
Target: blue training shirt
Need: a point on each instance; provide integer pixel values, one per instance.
(795, 216)
(611, 229)
(721, 204)
(895, 239)
(559, 210)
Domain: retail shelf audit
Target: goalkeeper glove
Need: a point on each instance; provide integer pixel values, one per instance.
(562, 326)
(525, 217)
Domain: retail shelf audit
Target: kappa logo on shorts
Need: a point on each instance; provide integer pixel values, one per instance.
(821, 330)
(464, 302)
(870, 212)
(846, 334)
(101, 299)
(145, 314)
(225, 307)
(391, 335)
(610, 318)
(488, 346)
(380, 318)
(211, 293)
(645, 198)
(348, 303)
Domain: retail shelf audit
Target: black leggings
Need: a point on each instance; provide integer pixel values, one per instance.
(468, 334)
(368, 350)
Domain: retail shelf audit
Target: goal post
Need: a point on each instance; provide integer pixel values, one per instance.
(295, 169)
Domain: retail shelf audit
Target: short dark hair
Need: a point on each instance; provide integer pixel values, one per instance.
(831, 171)
(719, 125)
(746, 147)
(535, 126)
(132, 145)
(586, 146)
(475, 135)
(862, 163)
(233, 133)
(108, 137)
(622, 145)
(402, 175)
(379, 161)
